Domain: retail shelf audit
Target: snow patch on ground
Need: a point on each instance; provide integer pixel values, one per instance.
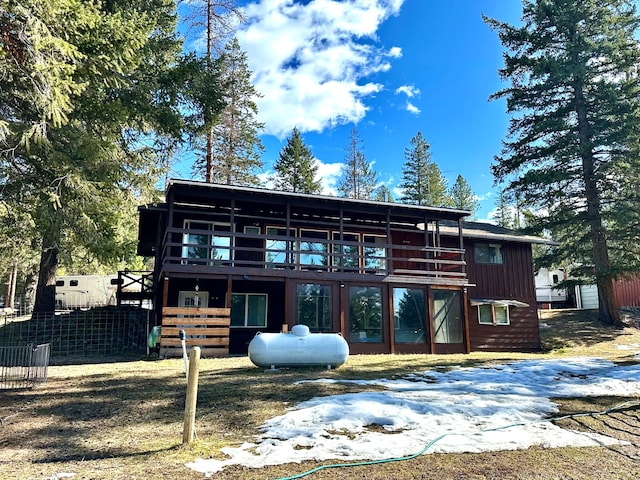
(462, 410)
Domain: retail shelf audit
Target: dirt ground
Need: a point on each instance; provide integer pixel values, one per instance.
(124, 419)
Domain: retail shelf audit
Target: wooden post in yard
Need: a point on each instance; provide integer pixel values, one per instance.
(192, 396)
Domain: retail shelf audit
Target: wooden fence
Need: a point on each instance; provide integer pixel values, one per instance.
(207, 328)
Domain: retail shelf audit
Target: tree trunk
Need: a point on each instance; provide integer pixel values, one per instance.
(10, 301)
(607, 308)
(46, 290)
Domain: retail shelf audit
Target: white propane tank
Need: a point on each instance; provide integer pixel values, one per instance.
(298, 348)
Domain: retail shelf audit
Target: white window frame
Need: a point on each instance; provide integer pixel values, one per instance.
(494, 318)
(211, 243)
(246, 309)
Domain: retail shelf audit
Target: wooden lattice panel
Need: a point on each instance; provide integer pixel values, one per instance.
(207, 328)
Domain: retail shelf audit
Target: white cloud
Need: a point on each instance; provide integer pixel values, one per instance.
(411, 108)
(329, 174)
(409, 90)
(395, 52)
(309, 60)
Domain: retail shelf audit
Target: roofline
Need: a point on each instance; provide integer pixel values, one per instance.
(468, 232)
(344, 200)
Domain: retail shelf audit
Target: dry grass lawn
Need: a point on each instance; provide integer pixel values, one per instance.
(124, 420)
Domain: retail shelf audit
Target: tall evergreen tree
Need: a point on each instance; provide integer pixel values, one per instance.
(383, 194)
(358, 177)
(110, 89)
(503, 215)
(236, 147)
(422, 180)
(216, 20)
(461, 196)
(296, 168)
(574, 99)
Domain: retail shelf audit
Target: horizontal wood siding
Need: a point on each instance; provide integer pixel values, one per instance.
(207, 328)
(627, 292)
(513, 280)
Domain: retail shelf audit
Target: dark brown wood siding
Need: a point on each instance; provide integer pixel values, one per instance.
(511, 280)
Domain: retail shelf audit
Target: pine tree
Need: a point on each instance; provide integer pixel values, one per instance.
(358, 177)
(216, 19)
(296, 167)
(461, 196)
(503, 215)
(574, 100)
(104, 82)
(383, 194)
(422, 180)
(236, 146)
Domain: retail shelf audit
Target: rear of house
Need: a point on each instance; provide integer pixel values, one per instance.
(391, 278)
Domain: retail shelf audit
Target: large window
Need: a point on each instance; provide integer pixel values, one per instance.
(488, 253)
(314, 249)
(248, 310)
(447, 316)
(493, 314)
(206, 242)
(279, 253)
(365, 314)
(313, 307)
(409, 315)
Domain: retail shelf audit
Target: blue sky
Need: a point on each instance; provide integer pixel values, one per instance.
(389, 68)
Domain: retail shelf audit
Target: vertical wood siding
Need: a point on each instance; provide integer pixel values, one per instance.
(513, 280)
(627, 292)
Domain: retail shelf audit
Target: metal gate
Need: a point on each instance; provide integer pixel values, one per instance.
(24, 366)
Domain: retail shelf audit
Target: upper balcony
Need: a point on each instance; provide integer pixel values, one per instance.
(214, 249)
(227, 230)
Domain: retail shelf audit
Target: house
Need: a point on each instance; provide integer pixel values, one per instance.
(391, 278)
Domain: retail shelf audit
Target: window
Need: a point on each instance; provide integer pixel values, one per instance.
(279, 253)
(408, 315)
(365, 314)
(73, 283)
(447, 316)
(313, 307)
(375, 257)
(248, 310)
(59, 283)
(493, 314)
(488, 253)
(314, 252)
(346, 252)
(204, 243)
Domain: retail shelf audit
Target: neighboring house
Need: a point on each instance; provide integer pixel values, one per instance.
(390, 277)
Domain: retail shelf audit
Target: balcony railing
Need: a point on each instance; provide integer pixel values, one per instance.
(224, 250)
